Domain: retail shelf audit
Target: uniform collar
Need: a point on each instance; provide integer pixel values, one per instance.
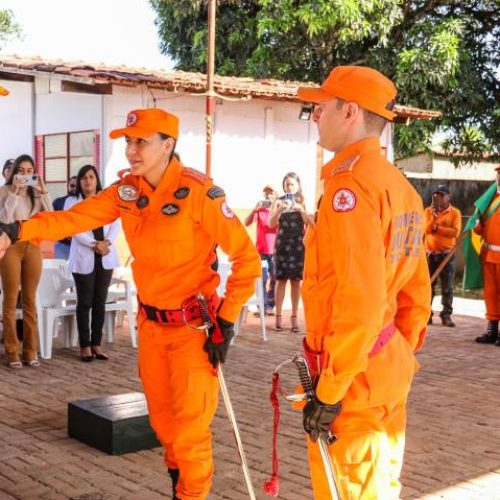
(352, 151)
(168, 182)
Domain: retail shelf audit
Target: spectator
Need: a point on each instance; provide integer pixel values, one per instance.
(92, 258)
(488, 227)
(22, 264)
(7, 167)
(443, 223)
(289, 214)
(61, 248)
(265, 240)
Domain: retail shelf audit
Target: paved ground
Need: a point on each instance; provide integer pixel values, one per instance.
(453, 447)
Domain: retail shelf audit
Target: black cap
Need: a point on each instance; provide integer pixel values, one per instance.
(442, 188)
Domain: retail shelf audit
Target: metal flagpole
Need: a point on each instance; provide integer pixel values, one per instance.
(210, 102)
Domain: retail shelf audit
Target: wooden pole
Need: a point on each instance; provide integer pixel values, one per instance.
(210, 102)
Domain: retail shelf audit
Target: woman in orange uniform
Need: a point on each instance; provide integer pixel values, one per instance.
(173, 218)
(366, 290)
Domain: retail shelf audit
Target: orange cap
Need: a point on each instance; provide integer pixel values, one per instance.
(3, 91)
(144, 122)
(268, 189)
(366, 86)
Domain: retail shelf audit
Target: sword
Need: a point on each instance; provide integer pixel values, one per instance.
(307, 384)
(207, 323)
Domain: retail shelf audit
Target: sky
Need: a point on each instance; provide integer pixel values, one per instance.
(109, 31)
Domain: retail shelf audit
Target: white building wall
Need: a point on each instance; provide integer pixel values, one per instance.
(16, 120)
(59, 112)
(255, 142)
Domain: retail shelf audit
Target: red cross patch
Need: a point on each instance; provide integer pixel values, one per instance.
(344, 200)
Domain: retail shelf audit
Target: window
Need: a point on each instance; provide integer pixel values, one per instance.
(59, 156)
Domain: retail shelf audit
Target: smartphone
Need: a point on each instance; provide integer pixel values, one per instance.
(28, 180)
(265, 203)
(290, 199)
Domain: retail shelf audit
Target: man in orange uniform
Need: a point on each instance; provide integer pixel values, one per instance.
(173, 217)
(489, 228)
(443, 223)
(366, 290)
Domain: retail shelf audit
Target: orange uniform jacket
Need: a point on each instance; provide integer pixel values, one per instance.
(365, 268)
(490, 231)
(449, 225)
(172, 239)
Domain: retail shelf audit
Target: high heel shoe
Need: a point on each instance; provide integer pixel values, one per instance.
(295, 326)
(99, 355)
(278, 327)
(85, 356)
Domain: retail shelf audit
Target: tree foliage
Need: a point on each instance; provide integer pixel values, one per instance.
(8, 27)
(442, 54)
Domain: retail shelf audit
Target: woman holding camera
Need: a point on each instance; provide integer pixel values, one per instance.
(289, 214)
(23, 196)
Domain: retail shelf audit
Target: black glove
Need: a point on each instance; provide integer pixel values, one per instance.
(318, 417)
(219, 338)
(11, 230)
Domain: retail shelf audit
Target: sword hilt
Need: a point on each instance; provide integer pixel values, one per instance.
(307, 384)
(204, 312)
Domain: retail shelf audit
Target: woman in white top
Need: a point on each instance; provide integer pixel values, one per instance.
(92, 258)
(22, 264)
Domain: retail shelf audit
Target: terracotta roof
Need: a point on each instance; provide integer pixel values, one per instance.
(174, 81)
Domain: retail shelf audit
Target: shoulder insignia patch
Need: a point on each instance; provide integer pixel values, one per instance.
(181, 193)
(215, 192)
(195, 175)
(346, 166)
(127, 192)
(344, 200)
(226, 211)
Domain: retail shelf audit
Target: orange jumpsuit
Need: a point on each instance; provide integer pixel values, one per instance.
(490, 258)
(365, 269)
(173, 240)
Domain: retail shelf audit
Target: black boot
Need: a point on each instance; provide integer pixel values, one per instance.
(174, 475)
(491, 334)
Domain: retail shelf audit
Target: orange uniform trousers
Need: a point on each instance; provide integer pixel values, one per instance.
(491, 278)
(182, 395)
(367, 456)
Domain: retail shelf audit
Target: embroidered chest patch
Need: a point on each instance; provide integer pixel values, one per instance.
(170, 209)
(344, 200)
(181, 193)
(127, 192)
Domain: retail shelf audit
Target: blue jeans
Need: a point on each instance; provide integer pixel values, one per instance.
(268, 279)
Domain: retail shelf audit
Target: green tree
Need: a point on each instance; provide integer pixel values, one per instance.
(9, 28)
(442, 54)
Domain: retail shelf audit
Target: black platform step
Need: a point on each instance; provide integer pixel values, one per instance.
(115, 424)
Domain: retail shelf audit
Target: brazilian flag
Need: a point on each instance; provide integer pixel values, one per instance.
(473, 276)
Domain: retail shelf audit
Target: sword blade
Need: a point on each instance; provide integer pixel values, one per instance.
(328, 466)
(236, 432)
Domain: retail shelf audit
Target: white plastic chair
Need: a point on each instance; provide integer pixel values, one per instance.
(51, 306)
(120, 300)
(257, 298)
